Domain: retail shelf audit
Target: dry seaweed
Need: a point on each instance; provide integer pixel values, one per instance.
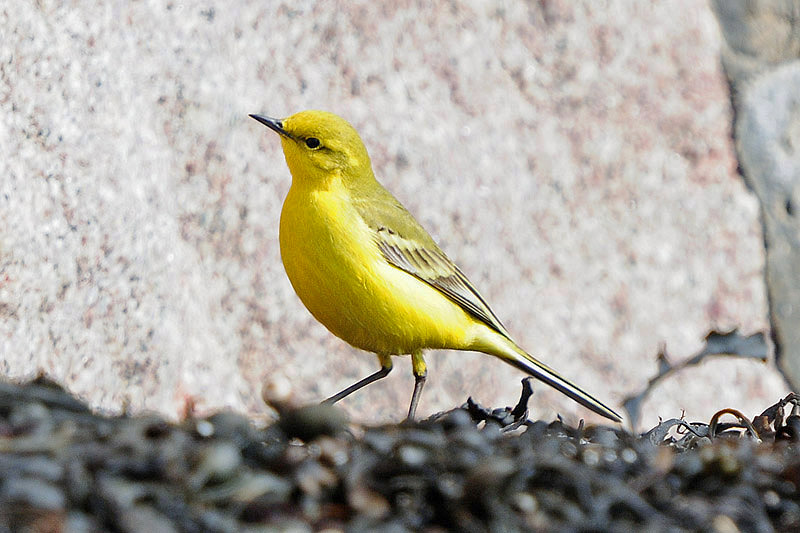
(63, 468)
(730, 344)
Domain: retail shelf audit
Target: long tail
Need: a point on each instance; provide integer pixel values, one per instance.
(516, 356)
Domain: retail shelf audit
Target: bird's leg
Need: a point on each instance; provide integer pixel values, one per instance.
(386, 367)
(420, 373)
(418, 383)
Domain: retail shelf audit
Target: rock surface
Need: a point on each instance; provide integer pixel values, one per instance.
(761, 54)
(574, 159)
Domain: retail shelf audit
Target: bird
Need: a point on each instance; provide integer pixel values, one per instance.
(369, 272)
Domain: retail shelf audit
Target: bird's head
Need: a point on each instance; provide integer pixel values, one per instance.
(319, 145)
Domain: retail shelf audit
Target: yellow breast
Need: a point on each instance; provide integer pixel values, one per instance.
(337, 270)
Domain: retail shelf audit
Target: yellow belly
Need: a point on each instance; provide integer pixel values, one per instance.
(338, 272)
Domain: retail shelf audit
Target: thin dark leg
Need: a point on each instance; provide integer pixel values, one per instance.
(382, 373)
(419, 382)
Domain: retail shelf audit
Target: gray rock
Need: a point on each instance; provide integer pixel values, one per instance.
(768, 142)
(762, 44)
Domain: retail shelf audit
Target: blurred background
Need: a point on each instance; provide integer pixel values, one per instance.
(574, 158)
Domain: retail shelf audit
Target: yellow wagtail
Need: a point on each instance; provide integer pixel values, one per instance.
(367, 270)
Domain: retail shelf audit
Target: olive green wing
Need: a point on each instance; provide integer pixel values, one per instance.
(406, 245)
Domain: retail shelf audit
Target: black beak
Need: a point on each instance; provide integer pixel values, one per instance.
(272, 123)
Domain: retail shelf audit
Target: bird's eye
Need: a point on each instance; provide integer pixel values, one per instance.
(313, 143)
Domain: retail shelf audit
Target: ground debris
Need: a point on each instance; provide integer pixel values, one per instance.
(718, 344)
(63, 468)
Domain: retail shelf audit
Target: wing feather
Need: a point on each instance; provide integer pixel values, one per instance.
(434, 268)
(405, 244)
